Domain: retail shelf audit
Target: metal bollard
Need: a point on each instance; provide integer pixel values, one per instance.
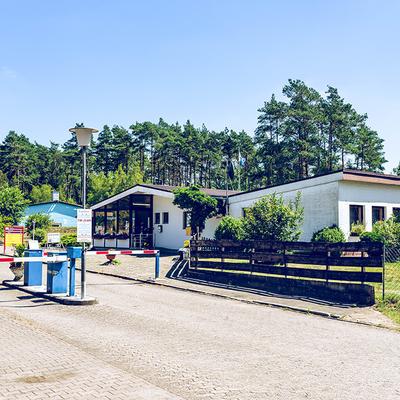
(73, 253)
(157, 271)
(33, 269)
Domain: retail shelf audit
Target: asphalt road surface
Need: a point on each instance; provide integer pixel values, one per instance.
(148, 342)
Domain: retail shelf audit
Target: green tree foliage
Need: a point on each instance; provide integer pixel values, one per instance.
(37, 221)
(41, 194)
(271, 219)
(200, 205)
(12, 203)
(299, 135)
(230, 228)
(4, 221)
(331, 234)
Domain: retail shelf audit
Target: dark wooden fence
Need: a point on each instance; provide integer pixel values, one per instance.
(298, 260)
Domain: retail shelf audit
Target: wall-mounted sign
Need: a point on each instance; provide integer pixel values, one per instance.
(84, 226)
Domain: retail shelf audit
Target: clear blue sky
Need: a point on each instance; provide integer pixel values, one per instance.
(118, 62)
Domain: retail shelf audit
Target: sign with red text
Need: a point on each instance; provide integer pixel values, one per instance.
(84, 226)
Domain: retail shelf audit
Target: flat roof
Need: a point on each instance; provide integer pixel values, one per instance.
(347, 175)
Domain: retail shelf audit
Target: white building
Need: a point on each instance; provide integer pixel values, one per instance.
(340, 198)
(145, 214)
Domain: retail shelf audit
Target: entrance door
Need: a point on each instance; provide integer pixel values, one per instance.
(141, 228)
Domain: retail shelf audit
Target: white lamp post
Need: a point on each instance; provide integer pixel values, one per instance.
(84, 137)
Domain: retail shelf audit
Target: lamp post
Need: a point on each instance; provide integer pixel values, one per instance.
(84, 137)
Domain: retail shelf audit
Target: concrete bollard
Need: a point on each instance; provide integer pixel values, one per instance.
(33, 269)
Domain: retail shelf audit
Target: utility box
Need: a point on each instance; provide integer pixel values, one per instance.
(57, 274)
(74, 252)
(33, 269)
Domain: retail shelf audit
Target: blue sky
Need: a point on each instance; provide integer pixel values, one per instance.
(118, 62)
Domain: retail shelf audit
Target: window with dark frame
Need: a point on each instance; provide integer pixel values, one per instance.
(378, 214)
(356, 215)
(157, 219)
(396, 213)
(165, 218)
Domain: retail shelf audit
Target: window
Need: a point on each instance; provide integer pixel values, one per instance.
(356, 215)
(123, 221)
(157, 219)
(111, 222)
(99, 222)
(165, 218)
(186, 219)
(396, 213)
(378, 214)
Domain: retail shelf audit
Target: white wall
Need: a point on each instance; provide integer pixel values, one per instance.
(366, 195)
(173, 234)
(319, 197)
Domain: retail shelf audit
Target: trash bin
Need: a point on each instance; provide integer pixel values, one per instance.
(57, 274)
(33, 269)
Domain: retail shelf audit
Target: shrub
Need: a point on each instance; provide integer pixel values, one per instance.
(389, 231)
(372, 237)
(69, 240)
(41, 235)
(330, 234)
(230, 228)
(271, 219)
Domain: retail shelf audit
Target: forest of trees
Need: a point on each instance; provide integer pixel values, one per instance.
(306, 134)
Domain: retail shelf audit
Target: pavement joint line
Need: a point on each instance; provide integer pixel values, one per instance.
(323, 314)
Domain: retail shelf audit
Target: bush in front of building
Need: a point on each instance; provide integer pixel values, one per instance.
(372, 237)
(230, 228)
(270, 218)
(41, 235)
(387, 232)
(329, 234)
(69, 240)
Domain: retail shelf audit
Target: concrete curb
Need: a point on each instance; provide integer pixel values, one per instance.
(39, 291)
(301, 310)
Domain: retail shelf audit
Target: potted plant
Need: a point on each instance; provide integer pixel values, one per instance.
(17, 268)
(356, 231)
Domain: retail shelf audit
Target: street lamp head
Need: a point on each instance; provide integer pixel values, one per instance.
(83, 135)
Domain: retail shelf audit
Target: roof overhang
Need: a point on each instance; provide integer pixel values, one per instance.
(137, 189)
(370, 177)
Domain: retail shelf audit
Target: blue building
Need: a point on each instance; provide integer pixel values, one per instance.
(60, 212)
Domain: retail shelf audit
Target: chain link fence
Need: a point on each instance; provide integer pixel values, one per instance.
(391, 285)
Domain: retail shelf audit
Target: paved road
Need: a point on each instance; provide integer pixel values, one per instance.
(149, 342)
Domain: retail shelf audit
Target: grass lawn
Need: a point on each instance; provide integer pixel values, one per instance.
(390, 305)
